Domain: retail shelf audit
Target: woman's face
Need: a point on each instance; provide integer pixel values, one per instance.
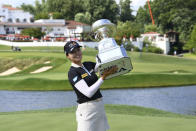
(75, 56)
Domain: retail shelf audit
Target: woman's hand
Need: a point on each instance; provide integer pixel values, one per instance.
(109, 72)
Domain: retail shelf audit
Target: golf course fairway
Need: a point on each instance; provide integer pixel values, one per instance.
(149, 70)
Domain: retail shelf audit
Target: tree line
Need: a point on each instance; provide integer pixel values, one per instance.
(86, 11)
(175, 15)
(171, 15)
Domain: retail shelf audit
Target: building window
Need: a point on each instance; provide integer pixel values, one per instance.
(59, 29)
(9, 20)
(25, 20)
(17, 20)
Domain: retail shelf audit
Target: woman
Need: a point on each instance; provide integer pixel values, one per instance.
(90, 114)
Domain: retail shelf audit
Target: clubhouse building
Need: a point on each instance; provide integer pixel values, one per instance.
(14, 20)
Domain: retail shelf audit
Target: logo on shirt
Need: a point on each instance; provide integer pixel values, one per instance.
(84, 75)
(75, 79)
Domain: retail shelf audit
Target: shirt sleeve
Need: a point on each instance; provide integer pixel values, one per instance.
(86, 90)
(73, 77)
(80, 84)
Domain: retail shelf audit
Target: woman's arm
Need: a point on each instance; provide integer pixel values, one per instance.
(86, 90)
(90, 91)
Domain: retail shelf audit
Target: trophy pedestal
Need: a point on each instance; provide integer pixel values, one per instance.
(115, 56)
(123, 65)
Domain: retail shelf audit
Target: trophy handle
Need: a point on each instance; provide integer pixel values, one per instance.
(98, 59)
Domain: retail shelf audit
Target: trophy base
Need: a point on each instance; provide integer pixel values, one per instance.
(123, 64)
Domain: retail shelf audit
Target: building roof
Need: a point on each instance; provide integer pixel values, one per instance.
(151, 33)
(172, 32)
(18, 35)
(74, 23)
(31, 24)
(69, 23)
(10, 7)
(52, 21)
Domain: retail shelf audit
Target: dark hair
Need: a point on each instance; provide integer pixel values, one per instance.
(65, 49)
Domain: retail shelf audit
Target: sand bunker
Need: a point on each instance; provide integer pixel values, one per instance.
(47, 62)
(10, 71)
(42, 69)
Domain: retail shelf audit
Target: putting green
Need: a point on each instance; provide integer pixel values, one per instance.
(121, 118)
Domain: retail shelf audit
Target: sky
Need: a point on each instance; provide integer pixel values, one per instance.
(135, 3)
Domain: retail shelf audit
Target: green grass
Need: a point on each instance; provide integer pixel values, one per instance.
(38, 48)
(150, 70)
(189, 55)
(120, 118)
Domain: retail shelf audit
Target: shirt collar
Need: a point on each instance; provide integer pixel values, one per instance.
(75, 65)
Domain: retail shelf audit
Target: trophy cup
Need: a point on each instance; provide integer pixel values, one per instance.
(110, 54)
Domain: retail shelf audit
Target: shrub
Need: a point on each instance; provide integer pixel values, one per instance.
(153, 49)
(136, 49)
(146, 42)
(128, 46)
(22, 41)
(33, 32)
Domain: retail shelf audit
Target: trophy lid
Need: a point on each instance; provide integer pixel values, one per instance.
(103, 28)
(102, 23)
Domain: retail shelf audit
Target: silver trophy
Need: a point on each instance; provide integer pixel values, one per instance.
(110, 54)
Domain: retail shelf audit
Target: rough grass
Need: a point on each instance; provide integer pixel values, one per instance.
(121, 118)
(21, 63)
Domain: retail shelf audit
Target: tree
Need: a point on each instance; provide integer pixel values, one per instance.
(57, 15)
(28, 8)
(126, 11)
(67, 8)
(176, 15)
(182, 22)
(84, 18)
(127, 29)
(150, 28)
(191, 44)
(143, 15)
(102, 9)
(39, 10)
(41, 15)
(33, 32)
